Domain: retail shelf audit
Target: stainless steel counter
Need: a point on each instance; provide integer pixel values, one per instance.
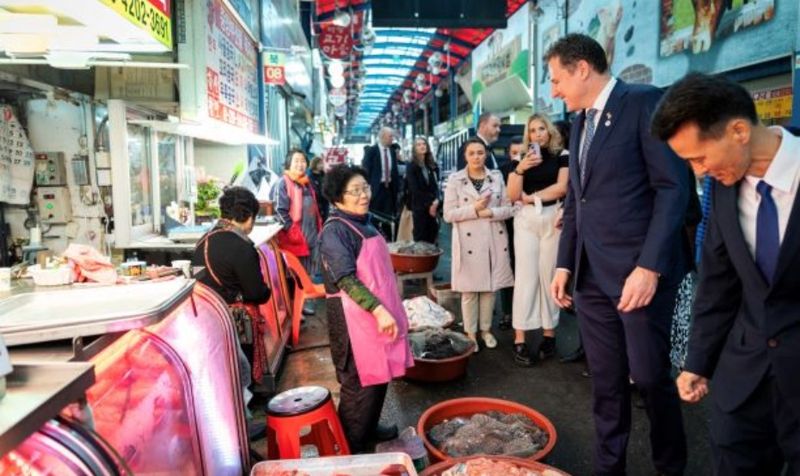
(36, 393)
(66, 312)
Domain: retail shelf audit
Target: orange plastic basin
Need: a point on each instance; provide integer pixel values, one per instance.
(466, 407)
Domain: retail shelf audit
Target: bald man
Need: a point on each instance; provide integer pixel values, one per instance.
(380, 162)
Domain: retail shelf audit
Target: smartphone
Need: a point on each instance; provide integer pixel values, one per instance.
(534, 147)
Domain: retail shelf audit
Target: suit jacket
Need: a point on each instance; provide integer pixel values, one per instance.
(383, 199)
(743, 327)
(491, 161)
(630, 209)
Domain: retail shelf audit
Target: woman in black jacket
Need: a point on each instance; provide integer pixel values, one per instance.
(422, 178)
(232, 269)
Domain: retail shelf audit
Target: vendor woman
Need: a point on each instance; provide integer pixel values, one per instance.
(366, 320)
(232, 269)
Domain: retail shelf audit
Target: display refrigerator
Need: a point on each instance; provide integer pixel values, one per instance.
(165, 397)
(157, 388)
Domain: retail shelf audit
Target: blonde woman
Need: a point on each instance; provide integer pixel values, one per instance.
(539, 182)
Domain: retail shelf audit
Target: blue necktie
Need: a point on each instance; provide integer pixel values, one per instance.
(767, 233)
(587, 142)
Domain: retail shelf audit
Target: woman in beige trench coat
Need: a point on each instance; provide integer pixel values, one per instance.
(476, 203)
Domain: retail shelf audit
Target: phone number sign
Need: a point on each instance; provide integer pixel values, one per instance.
(151, 16)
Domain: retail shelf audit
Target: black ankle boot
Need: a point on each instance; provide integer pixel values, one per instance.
(547, 348)
(521, 355)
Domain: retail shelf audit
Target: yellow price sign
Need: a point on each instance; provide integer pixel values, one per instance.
(150, 15)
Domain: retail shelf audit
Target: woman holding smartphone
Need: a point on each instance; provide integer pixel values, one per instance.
(539, 183)
(476, 203)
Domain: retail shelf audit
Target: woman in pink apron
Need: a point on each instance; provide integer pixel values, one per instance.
(367, 323)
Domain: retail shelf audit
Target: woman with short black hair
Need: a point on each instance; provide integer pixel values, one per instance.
(233, 270)
(296, 207)
(367, 323)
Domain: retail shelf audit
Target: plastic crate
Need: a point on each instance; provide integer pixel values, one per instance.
(357, 465)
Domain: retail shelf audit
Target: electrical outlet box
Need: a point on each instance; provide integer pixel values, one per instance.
(54, 204)
(102, 159)
(50, 169)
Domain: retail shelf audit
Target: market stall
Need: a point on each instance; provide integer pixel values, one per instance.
(156, 363)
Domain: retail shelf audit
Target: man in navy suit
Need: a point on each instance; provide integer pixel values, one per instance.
(745, 337)
(383, 177)
(621, 243)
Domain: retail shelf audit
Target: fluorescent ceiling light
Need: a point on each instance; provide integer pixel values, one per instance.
(24, 43)
(27, 23)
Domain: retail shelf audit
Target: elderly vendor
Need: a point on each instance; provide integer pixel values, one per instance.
(366, 319)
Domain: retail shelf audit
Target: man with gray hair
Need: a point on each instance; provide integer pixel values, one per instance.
(488, 132)
(380, 163)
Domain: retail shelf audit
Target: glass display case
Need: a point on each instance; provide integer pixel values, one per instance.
(166, 396)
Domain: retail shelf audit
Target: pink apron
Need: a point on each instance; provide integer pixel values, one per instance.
(378, 359)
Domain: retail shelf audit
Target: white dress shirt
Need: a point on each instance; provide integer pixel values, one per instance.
(783, 174)
(599, 104)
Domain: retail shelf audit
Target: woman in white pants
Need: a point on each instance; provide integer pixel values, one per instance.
(539, 181)
(476, 203)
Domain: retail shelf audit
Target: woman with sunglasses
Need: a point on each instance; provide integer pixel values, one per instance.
(367, 323)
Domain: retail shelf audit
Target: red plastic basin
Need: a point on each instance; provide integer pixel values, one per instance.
(466, 407)
(403, 263)
(440, 370)
(438, 468)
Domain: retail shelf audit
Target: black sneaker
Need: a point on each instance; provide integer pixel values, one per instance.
(521, 355)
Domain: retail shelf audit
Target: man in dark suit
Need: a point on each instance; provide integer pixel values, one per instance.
(380, 162)
(745, 337)
(621, 243)
(488, 131)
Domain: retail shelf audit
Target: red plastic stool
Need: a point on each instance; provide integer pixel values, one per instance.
(289, 412)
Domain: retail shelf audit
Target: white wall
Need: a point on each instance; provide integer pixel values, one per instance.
(218, 160)
(57, 126)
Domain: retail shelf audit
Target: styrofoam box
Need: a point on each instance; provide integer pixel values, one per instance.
(357, 465)
(51, 277)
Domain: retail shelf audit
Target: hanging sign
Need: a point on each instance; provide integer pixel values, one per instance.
(231, 80)
(337, 97)
(149, 15)
(274, 68)
(334, 156)
(335, 42)
(773, 103)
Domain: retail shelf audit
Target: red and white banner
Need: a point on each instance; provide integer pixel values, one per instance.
(334, 156)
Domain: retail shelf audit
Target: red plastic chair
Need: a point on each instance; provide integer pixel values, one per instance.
(289, 412)
(304, 289)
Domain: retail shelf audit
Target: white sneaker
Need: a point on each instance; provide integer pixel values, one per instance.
(489, 340)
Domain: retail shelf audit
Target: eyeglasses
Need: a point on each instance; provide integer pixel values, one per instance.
(356, 192)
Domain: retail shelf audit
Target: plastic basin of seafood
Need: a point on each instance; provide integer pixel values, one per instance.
(440, 370)
(467, 407)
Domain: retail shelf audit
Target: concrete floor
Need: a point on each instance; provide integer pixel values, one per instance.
(556, 390)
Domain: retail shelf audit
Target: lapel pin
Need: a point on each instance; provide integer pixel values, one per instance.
(608, 119)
